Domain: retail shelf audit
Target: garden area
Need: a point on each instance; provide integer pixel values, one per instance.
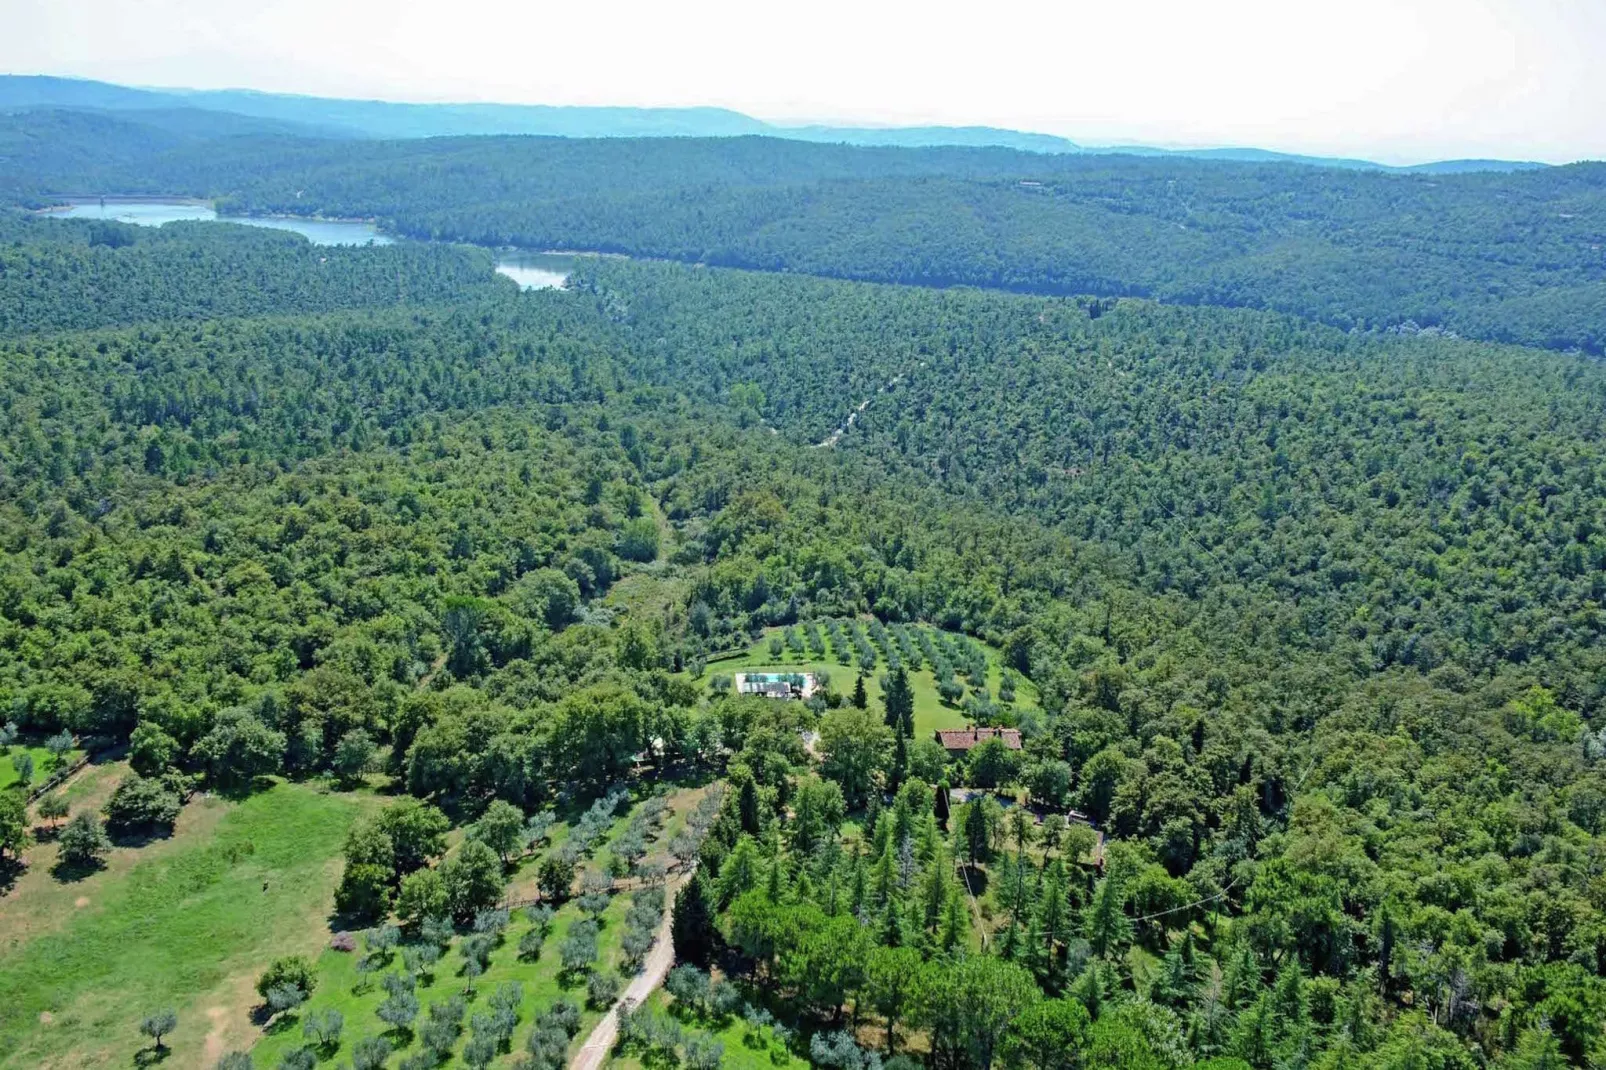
(522, 973)
(957, 680)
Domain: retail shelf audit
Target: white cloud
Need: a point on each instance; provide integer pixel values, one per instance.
(1403, 80)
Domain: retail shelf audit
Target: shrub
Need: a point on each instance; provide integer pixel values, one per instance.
(292, 971)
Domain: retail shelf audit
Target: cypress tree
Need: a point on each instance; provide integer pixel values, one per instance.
(860, 699)
(692, 925)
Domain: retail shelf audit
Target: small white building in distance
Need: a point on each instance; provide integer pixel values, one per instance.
(775, 684)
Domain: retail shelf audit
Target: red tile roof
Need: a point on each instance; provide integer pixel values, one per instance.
(966, 738)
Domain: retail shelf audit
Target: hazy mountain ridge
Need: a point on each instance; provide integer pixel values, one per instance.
(260, 113)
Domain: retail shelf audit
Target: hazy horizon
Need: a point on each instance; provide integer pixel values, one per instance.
(1394, 82)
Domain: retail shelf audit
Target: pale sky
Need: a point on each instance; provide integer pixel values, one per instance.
(1402, 81)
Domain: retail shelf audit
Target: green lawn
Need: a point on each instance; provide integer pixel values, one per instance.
(43, 764)
(931, 712)
(187, 928)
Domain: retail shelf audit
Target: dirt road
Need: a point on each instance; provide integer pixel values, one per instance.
(654, 969)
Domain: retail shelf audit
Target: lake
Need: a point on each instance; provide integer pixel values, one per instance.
(534, 271)
(154, 212)
(531, 270)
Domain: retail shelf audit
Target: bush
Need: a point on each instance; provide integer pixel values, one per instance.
(292, 971)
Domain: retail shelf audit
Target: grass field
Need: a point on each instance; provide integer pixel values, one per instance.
(931, 712)
(188, 923)
(43, 764)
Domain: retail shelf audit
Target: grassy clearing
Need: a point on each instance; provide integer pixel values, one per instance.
(188, 924)
(931, 712)
(43, 764)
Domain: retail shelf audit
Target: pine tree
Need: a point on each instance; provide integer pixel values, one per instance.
(955, 924)
(939, 803)
(1049, 924)
(934, 888)
(747, 806)
(900, 761)
(1108, 928)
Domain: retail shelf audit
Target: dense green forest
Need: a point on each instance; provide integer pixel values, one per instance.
(1513, 257)
(1312, 616)
(66, 274)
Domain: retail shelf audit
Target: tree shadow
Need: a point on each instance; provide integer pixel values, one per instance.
(152, 1056)
(11, 869)
(286, 1021)
(139, 836)
(72, 872)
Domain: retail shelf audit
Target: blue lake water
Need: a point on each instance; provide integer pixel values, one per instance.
(531, 270)
(155, 212)
(534, 271)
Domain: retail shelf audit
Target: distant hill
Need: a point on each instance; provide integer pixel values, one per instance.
(187, 110)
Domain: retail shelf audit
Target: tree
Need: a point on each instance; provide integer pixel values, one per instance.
(501, 828)
(739, 873)
(157, 1025)
(59, 746)
(1108, 929)
(555, 876)
(578, 951)
(976, 826)
(1052, 1035)
(291, 971)
(13, 823)
(890, 978)
(638, 541)
(969, 1005)
(423, 895)
(417, 832)
(860, 700)
(22, 765)
(52, 808)
(370, 1053)
(597, 732)
(473, 878)
(691, 927)
(365, 891)
(546, 595)
(992, 764)
(240, 748)
(854, 746)
(323, 1028)
(899, 701)
(704, 1052)
(354, 756)
(140, 804)
(151, 751)
(398, 1010)
(83, 842)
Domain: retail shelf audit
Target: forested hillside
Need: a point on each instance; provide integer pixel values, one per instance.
(1508, 257)
(418, 601)
(64, 274)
